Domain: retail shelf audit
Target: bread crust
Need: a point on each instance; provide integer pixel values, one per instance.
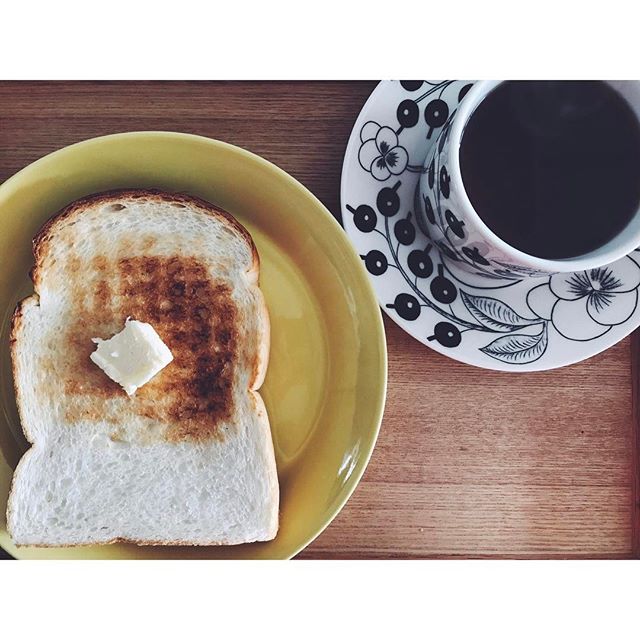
(65, 215)
(16, 324)
(41, 246)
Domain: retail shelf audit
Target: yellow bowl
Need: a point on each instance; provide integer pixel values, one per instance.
(326, 382)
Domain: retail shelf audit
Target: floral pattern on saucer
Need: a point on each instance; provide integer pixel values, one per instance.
(586, 304)
(503, 321)
(380, 154)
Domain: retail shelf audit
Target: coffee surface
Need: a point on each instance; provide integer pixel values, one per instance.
(553, 167)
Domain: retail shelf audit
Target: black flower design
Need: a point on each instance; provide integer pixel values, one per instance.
(586, 304)
(380, 154)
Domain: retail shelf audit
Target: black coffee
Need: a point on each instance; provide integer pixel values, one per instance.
(553, 168)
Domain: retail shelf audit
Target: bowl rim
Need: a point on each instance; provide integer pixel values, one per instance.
(363, 284)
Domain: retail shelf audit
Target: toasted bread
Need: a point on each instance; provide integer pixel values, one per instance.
(188, 459)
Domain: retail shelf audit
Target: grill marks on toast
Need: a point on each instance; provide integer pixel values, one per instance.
(194, 315)
(197, 319)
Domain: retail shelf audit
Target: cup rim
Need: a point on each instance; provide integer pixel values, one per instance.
(619, 250)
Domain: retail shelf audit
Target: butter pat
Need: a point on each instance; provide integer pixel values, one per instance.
(133, 356)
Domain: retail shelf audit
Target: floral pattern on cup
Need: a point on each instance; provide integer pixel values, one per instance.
(380, 153)
(438, 204)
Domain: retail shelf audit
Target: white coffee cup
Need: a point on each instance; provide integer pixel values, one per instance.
(447, 215)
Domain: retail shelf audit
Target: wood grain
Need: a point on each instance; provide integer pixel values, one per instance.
(469, 463)
(472, 463)
(635, 443)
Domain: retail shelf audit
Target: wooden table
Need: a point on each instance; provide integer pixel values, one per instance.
(469, 463)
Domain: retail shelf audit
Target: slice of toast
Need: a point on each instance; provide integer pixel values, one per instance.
(186, 460)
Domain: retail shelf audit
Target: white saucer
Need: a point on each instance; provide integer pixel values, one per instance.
(508, 324)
